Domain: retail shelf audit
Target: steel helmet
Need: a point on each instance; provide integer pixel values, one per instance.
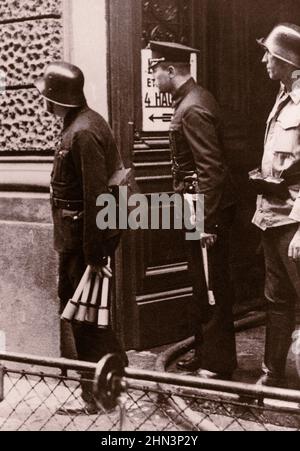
(62, 84)
(284, 43)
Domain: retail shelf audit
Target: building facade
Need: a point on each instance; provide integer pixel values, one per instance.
(107, 39)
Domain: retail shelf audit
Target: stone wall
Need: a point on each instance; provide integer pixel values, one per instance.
(28, 264)
(31, 36)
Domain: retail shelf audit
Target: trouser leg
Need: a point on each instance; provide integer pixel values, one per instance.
(71, 270)
(280, 326)
(282, 290)
(213, 325)
(92, 345)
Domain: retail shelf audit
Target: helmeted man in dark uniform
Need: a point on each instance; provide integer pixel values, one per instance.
(84, 162)
(199, 164)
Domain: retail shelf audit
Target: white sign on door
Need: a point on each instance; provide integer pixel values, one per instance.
(157, 107)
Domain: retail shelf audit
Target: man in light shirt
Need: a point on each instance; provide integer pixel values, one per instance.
(278, 205)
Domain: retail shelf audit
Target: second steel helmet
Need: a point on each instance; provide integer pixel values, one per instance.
(284, 43)
(62, 84)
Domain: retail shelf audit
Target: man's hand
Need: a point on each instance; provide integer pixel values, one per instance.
(102, 271)
(208, 240)
(294, 249)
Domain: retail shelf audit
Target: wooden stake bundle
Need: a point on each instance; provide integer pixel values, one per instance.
(72, 306)
(83, 304)
(92, 313)
(90, 303)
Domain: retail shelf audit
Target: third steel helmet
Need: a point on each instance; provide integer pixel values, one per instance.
(62, 84)
(284, 43)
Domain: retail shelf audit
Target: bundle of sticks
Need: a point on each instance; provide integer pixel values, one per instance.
(90, 303)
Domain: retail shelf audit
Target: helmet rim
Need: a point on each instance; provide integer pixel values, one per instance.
(283, 42)
(262, 44)
(66, 90)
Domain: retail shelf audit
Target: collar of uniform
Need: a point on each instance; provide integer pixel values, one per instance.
(294, 94)
(71, 116)
(181, 93)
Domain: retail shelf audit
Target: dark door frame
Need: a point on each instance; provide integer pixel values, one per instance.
(123, 20)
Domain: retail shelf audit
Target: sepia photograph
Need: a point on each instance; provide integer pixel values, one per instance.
(149, 218)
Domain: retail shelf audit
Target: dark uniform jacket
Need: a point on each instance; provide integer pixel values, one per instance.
(196, 146)
(83, 164)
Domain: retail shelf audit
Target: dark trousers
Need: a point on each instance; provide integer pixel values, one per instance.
(282, 290)
(213, 325)
(91, 343)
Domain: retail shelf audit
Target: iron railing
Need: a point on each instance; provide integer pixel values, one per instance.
(33, 389)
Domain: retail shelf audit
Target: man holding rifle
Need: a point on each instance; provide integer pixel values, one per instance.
(83, 164)
(199, 167)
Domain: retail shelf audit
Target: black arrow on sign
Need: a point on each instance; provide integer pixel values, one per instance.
(165, 118)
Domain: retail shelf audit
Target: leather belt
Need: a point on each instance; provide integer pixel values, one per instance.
(67, 204)
(182, 175)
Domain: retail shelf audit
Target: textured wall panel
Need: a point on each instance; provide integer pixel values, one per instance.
(24, 124)
(26, 47)
(16, 9)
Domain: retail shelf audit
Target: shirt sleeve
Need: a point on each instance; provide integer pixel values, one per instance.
(200, 130)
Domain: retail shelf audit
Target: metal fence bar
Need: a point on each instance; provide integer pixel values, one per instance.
(234, 388)
(48, 362)
(151, 400)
